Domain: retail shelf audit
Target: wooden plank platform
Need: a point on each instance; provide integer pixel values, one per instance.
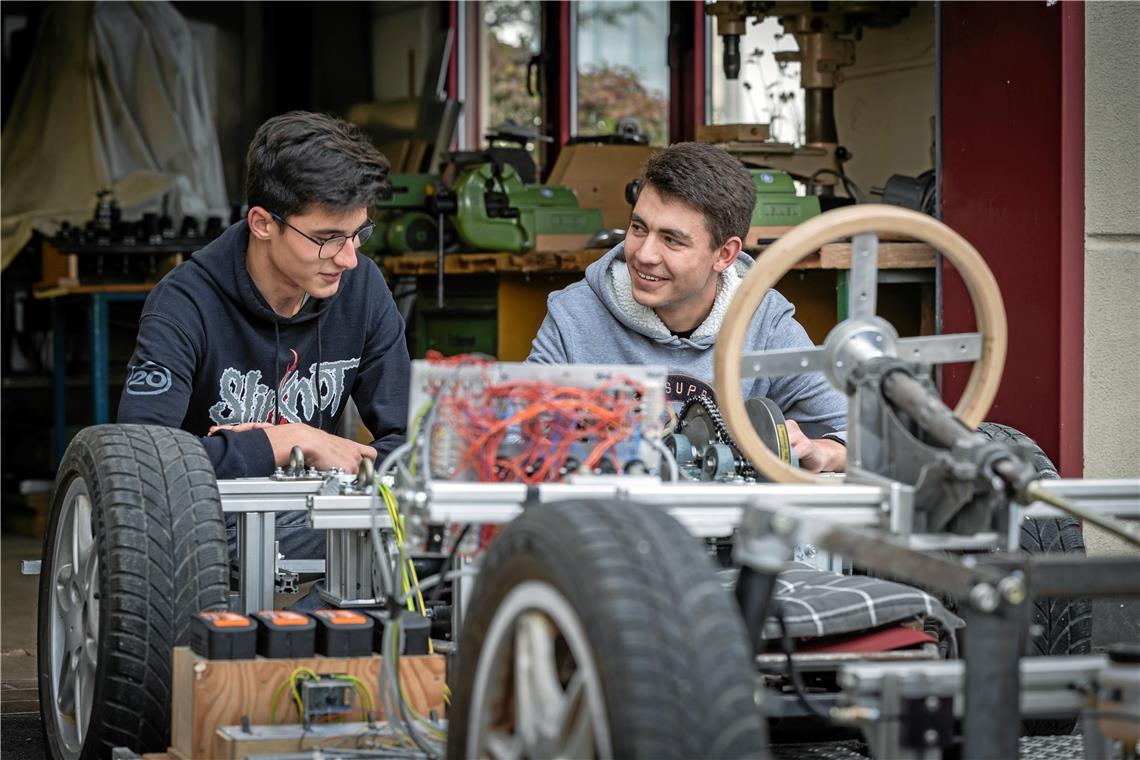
(208, 694)
(892, 255)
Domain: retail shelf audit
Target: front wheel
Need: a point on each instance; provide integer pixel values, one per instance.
(135, 546)
(601, 630)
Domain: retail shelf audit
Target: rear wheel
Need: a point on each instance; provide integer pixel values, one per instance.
(601, 630)
(1060, 626)
(135, 546)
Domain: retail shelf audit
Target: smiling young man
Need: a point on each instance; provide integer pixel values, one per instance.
(660, 297)
(258, 340)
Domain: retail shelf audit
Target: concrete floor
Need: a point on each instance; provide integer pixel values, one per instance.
(20, 734)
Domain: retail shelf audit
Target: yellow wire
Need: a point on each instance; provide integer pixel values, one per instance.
(423, 410)
(407, 566)
(361, 689)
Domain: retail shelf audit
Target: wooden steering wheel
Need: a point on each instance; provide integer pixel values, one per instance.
(848, 341)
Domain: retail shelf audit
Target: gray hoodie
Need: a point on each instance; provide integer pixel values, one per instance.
(597, 321)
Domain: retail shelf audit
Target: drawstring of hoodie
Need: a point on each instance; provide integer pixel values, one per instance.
(276, 372)
(317, 378)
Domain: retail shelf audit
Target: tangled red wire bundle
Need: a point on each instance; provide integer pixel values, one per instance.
(525, 430)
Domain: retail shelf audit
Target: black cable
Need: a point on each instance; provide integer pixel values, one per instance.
(853, 190)
(793, 674)
(438, 590)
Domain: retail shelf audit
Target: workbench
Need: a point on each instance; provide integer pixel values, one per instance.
(512, 290)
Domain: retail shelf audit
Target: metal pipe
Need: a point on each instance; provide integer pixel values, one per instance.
(1034, 492)
(925, 408)
(439, 260)
(819, 115)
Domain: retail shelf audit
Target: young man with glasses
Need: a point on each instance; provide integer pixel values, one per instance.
(281, 319)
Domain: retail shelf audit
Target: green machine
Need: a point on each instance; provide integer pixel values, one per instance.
(406, 226)
(777, 204)
(495, 211)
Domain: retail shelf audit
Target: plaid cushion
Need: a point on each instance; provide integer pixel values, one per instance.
(821, 603)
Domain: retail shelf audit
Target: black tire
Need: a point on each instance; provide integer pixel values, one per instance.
(149, 499)
(669, 644)
(1063, 626)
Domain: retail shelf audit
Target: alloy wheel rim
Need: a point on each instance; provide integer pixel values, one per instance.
(537, 689)
(74, 619)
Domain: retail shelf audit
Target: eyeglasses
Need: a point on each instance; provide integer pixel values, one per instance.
(330, 247)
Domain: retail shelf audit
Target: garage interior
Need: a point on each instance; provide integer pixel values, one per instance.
(125, 128)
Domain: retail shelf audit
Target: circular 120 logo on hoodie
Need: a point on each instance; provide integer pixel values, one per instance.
(147, 379)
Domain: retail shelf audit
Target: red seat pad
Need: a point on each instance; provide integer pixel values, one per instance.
(880, 640)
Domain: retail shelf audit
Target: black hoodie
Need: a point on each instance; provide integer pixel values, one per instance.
(211, 351)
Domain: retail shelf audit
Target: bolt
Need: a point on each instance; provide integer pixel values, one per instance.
(932, 703)
(810, 550)
(782, 525)
(984, 597)
(1012, 589)
(930, 736)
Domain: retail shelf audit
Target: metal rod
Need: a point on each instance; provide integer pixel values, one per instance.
(1069, 576)
(439, 260)
(1034, 492)
(925, 408)
(890, 557)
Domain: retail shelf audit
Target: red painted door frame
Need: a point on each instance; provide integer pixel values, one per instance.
(1013, 184)
(686, 69)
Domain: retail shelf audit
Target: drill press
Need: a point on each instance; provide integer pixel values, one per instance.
(825, 33)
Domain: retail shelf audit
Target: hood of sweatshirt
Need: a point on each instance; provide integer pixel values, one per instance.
(608, 277)
(223, 262)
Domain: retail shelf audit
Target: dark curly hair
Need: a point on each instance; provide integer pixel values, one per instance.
(708, 179)
(300, 159)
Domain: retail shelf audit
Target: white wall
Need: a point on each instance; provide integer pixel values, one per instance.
(884, 107)
(1112, 275)
(1112, 240)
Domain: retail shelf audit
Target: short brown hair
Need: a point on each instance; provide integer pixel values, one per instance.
(709, 180)
(299, 159)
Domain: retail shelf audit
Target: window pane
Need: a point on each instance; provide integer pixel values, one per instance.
(510, 37)
(622, 67)
(766, 92)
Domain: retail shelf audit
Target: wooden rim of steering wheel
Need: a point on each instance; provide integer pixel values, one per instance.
(808, 237)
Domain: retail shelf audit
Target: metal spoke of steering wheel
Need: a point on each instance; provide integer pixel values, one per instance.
(863, 282)
(940, 349)
(782, 361)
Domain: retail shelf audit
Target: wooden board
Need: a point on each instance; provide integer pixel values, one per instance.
(555, 243)
(723, 133)
(61, 274)
(599, 174)
(548, 262)
(208, 694)
(76, 290)
(892, 255)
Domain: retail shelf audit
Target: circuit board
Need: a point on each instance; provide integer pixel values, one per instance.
(512, 422)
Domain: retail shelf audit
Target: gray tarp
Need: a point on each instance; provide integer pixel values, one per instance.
(114, 97)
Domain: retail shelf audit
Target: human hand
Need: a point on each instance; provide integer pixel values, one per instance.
(816, 455)
(322, 450)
